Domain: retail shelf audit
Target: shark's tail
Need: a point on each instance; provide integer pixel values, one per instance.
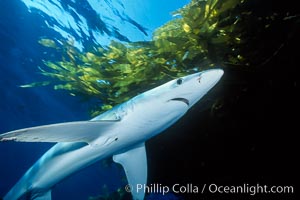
(27, 196)
(23, 191)
(17, 192)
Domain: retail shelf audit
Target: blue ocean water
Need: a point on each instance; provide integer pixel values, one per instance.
(87, 22)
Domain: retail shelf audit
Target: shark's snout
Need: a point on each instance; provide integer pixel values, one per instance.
(210, 77)
(212, 74)
(218, 73)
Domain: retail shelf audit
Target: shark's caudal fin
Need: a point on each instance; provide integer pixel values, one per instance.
(81, 131)
(134, 163)
(22, 193)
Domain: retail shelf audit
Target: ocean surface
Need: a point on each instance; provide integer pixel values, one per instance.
(249, 139)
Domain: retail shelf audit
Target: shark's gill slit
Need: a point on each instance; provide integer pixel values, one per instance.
(184, 100)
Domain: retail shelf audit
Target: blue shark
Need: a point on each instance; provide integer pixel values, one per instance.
(120, 132)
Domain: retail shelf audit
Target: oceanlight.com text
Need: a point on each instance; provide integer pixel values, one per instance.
(249, 189)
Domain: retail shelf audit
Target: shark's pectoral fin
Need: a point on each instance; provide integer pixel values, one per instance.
(134, 163)
(81, 131)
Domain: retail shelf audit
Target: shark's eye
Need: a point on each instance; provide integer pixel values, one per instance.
(179, 81)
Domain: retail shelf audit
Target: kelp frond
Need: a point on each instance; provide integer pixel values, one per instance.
(207, 33)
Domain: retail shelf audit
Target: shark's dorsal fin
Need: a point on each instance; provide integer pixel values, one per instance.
(134, 163)
(81, 131)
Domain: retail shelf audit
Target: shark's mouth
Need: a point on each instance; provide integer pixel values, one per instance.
(184, 100)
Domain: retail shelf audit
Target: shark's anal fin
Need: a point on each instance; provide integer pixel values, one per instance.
(45, 196)
(134, 163)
